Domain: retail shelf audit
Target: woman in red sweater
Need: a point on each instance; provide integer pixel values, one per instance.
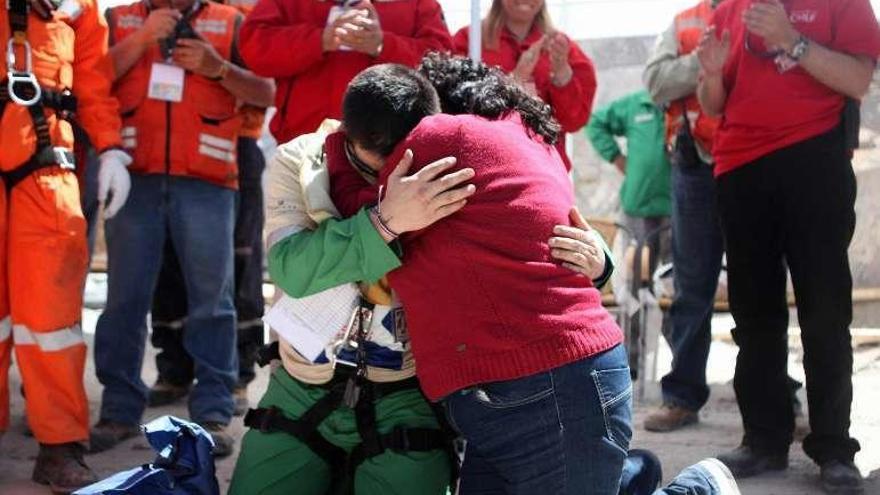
(519, 38)
(528, 365)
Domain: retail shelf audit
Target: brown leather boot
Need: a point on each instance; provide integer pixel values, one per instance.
(670, 418)
(240, 396)
(108, 434)
(62, 468)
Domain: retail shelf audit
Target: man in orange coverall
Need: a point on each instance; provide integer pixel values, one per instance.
(51, 49)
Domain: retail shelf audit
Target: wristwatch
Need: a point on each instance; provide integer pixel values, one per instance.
(224, 70)
(799, 48)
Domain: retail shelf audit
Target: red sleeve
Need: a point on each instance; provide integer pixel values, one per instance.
(460, 42)
(93, 78)
(272, 45)
(855, 28)
(431, 34)
(573, 102)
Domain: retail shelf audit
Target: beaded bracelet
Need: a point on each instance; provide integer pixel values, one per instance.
(376, 212)
(381, 220)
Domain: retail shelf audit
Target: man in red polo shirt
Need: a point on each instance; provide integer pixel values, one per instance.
(785, 78)
(313, 48)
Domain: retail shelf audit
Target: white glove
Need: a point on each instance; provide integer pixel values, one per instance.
(113, 178)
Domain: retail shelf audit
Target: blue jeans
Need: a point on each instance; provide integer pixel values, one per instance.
(697, 249)
(564, 431)
(198, 217)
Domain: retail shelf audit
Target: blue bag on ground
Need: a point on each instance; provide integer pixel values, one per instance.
(184, 464)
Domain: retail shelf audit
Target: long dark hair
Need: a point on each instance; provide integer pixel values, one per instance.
(465, 86)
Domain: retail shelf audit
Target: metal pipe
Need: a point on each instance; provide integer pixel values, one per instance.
(475, 46)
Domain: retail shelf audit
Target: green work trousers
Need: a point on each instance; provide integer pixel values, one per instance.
(278, 463)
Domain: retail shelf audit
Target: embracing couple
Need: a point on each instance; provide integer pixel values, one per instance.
(442, 193)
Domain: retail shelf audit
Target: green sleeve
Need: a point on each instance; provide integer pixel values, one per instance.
(609, 264)
(606, 123)
(336, 253)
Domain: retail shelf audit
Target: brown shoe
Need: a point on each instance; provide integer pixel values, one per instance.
(223, 441)
(670, 418)
(240, 396)
(164, 393)
(107, 434)
(62, 468)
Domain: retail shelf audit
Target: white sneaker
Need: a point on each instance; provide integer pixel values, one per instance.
(721, 475)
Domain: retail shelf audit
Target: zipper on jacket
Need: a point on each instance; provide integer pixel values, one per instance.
(167, 138)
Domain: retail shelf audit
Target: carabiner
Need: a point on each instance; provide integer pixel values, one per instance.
(26, 77)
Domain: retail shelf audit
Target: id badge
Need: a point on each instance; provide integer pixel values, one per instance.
(166, 82)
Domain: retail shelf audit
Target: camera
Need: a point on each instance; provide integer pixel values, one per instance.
(182, 30)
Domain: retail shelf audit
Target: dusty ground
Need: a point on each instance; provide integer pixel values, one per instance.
(718, 431)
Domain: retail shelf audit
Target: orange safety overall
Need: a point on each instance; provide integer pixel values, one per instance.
(43, 255)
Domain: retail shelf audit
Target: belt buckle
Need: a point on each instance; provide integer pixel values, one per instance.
(64, 158)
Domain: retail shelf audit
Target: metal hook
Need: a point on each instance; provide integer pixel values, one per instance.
(27, 77)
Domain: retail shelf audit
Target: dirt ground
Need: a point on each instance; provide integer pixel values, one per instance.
(718, 431)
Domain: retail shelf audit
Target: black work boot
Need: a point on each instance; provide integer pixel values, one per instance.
(745, 461)
(841, 477)
(62, 468)
(108, 434)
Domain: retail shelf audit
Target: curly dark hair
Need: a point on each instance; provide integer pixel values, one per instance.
(465, 86)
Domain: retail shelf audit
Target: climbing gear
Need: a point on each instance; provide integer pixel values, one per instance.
(22, 88)
(351, 388)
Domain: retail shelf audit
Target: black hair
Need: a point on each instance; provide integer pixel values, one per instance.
(384, 103)
(465, 86)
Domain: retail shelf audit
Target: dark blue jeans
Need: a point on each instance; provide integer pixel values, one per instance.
(198, 218)
(565, 431)
(169, 303)
(697, 249)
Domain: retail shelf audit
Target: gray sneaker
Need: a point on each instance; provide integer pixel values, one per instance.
(720, 476)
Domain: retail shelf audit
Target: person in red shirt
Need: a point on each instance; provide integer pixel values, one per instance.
(518, 37)
(527, 363)
(313, 48)
(784, 77)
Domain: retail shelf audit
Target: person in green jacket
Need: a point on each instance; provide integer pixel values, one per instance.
(645, 196)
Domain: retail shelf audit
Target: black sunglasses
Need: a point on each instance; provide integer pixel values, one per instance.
(357, 163)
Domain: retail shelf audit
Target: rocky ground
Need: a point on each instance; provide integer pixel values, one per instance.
(719, 429)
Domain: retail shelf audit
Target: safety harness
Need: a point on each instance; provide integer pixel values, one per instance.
(352, 389)
(22, 88)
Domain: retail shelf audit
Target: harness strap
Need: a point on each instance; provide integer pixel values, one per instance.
(268, 353)
(18, 21)
(305, 428)
(45, 158)
(272, 420)
(63, 102)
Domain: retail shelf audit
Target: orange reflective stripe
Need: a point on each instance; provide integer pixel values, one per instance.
(5, 329)
(56, 340)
